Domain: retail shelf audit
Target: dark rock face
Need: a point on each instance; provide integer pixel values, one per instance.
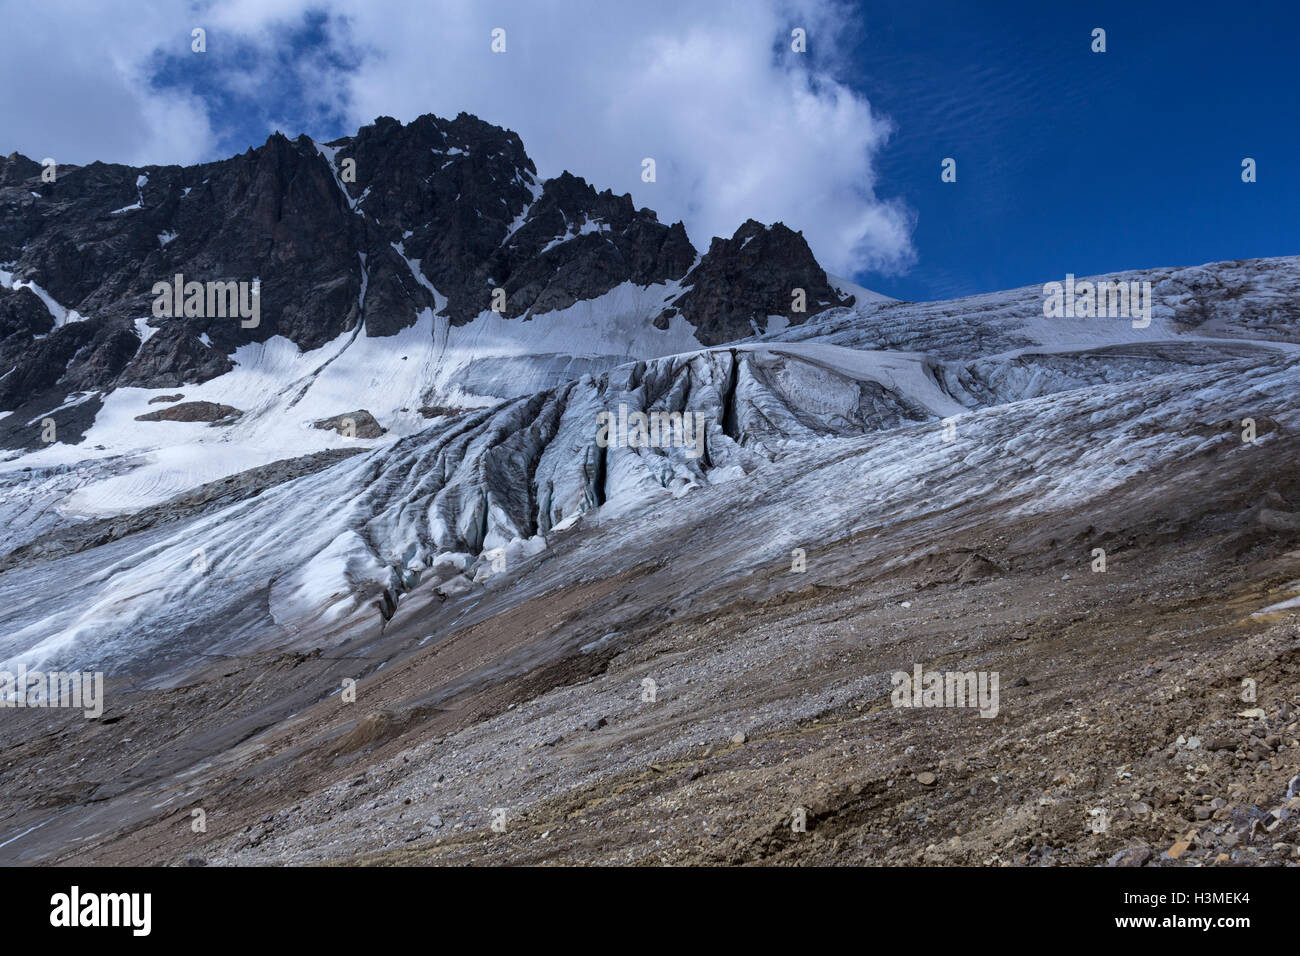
(25, 428)
(70, 358)
(355, 231)
(22, 314)
(16, 169)
(173, 356)
(102, 358)
(577, 244)
(462, 199)
(742, 280)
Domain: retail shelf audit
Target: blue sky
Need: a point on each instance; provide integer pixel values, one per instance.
(1074, 161)
(1067, 160)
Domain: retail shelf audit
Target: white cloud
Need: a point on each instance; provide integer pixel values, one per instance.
(76, 76)
(739, 126)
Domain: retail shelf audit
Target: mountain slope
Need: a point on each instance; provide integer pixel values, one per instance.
(344, 545)
(972, 553)
(389, 481)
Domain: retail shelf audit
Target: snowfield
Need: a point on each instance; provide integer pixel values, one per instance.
(283, 390)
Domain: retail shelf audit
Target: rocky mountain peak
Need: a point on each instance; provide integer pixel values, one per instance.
(379, 228)
(16, 168)
(759, 272)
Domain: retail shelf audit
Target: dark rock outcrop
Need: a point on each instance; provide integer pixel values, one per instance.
(358, 424)
(23, 314)
(213, 412)
(174, 356)
(71, 358)
(742, 280)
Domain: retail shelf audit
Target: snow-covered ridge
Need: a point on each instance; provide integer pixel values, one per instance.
(1255, 299)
